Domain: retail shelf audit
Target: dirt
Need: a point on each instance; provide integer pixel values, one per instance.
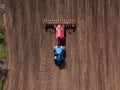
(92, 52)
(3, 71)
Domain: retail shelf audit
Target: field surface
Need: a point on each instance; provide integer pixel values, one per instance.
(92, 52)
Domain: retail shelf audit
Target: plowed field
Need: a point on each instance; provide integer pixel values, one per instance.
(92, 52)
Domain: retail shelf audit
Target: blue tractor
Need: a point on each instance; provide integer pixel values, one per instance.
(59, 52)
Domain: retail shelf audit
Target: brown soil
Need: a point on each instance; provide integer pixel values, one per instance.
(92, 52)
(3, 71)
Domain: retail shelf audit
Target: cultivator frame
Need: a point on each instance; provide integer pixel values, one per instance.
(52, 23)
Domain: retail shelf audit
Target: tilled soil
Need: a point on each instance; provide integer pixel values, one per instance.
(92, 52)
(3, 71)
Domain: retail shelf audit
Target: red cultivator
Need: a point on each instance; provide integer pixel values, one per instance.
(60, 26)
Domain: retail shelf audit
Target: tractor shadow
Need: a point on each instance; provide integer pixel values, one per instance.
(62, 65)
